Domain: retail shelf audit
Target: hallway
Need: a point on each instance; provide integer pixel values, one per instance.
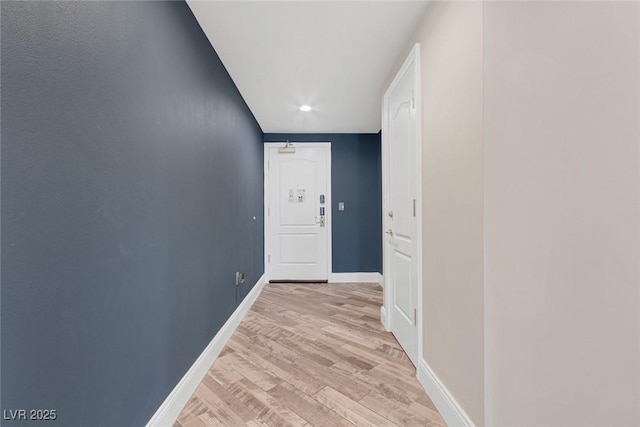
(484, 169)
(312, 354)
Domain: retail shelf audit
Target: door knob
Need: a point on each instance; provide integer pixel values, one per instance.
(389, 232)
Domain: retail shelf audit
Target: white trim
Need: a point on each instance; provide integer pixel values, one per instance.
(385, 190)
(362, 277)
(384, 319)
(168, 412)
(329, 217)
(447, 405)
(412, 60)
(419, 255)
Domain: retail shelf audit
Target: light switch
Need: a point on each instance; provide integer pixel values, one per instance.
(340, 206)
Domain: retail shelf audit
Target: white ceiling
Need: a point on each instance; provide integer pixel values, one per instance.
(331, 55)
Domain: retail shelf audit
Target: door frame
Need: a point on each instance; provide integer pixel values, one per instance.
(411, 64)
(328, 211)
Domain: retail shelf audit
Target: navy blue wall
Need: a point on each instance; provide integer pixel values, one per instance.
(131, 172)
(356, 180)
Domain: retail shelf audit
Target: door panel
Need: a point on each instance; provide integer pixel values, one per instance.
(400, 162)
(298, 236)
(401, 221)
(298, 249)
(402, 288)
(298, 181)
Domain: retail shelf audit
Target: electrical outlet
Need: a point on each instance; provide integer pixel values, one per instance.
(239, 278)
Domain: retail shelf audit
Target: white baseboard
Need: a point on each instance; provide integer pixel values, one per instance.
(447, 405)
(168, 412)
(362, 277)
(383, 318)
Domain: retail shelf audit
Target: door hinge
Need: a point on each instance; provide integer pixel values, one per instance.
(268, 164)
(415, 317)
(268, 211)
(268, 258)
(414, 208)
(413, 99)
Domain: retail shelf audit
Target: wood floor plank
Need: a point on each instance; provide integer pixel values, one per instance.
(359, 322)
(358, 336)
(378, 357)
(350, 409)
(338, 380)
(391, 391)
(311, 355)
(223, 373)
(192, 409)
(310, 409)
(274, 347)
(278, 414)
(265, 413)
(251, 371)
(279, 368)
(389, 375)
(343, 355)
(224, 396)
(301, 346)
(193, 422)
(217, 407)
(426, 411)
(210, 420)
(396, 412)
(321, 347)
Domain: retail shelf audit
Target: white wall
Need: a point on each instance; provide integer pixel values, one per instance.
(562, 218)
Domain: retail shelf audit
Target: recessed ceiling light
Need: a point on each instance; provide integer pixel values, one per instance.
(305, 108)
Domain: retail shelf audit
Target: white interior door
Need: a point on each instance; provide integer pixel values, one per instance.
(298, 211)
(401, 217)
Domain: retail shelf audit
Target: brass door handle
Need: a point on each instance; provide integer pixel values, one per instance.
(389, 232)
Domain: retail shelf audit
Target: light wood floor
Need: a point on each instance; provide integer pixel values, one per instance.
(312, 355)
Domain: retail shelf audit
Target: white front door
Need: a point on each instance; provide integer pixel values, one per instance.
(401, 217)
(298, 211)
